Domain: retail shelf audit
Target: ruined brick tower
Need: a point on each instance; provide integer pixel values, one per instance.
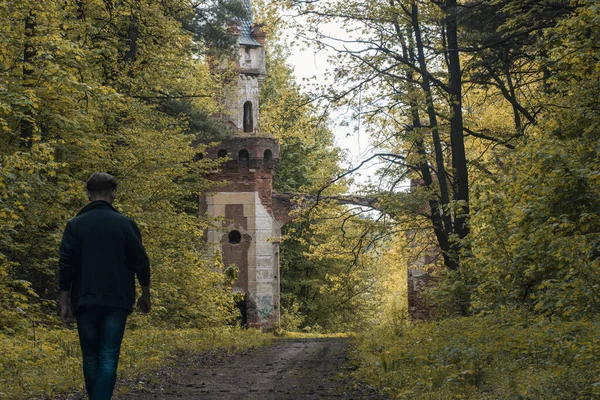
(249, 233)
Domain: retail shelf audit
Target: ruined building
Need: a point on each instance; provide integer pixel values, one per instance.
(249, 234)
(249, 215)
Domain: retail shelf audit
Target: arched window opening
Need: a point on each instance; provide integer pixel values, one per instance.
(248, 119)
(222, 153)
(268, 155)
(235, 237)
(247, 56)
(243, 155)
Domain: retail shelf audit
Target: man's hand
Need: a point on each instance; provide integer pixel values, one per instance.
(66, 315)
(144, 301)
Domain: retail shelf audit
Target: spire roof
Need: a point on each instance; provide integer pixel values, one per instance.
(246, 38)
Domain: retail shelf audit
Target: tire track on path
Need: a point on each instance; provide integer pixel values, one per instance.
(289, 369)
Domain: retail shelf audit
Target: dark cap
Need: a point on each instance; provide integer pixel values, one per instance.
(100, 181)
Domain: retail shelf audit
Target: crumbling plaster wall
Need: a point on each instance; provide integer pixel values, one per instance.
(260, 236)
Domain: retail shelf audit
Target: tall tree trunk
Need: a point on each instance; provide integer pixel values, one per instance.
(513, 93)
(132, 48)
(423, 165)
(459, 159)
(132, 40)
(450, 258)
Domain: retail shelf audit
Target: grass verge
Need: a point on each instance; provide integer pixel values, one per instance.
(499, 356)
(47, 362)
(313, 335)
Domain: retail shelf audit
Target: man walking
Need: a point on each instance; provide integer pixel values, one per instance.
(100, 254)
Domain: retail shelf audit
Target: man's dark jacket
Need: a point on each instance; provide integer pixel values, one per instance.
(100, 254)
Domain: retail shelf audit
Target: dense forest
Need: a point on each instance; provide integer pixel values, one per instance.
(488, 109)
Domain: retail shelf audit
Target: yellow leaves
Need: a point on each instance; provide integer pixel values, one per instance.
(19, 297)
(87, 116)
(471, 357)
(49, 362)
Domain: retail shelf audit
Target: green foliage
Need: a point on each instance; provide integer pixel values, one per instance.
(449, 295)
(506, 355)
(45, 362)
(90, 86)
(209, 20)
(537, 225)
(291, 315)
(538, 242)
(393, 283)
(330, 268)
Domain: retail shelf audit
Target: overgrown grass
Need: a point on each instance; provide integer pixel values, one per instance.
(501, 356)
(48, 362)
(314, 335)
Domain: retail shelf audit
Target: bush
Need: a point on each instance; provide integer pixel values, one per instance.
(505, 355)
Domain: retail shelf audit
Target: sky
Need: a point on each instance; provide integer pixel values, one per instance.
(311, 65)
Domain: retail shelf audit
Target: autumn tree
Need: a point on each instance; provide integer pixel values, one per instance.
(452, 102)
(400, 70)
(85, 88)
(537, 236)
(507, 58)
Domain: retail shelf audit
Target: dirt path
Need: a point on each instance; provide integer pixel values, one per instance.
(288, 369)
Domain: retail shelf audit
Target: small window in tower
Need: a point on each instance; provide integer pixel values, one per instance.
(248, 119)
(235, 237)
(222, 153)
(243, 155)
(268, 155)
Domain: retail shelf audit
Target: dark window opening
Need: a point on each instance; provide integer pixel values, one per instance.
(247, 57)
(243, 155)
(222, 153)
(235, 237)
(248, 119)
(268, 155)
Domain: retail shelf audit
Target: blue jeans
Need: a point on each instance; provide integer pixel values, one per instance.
(100, 334)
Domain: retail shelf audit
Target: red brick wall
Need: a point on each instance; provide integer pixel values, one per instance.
(417, 283)
(234, 213)
(237, 254)
(252, 175)
(282, 207)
